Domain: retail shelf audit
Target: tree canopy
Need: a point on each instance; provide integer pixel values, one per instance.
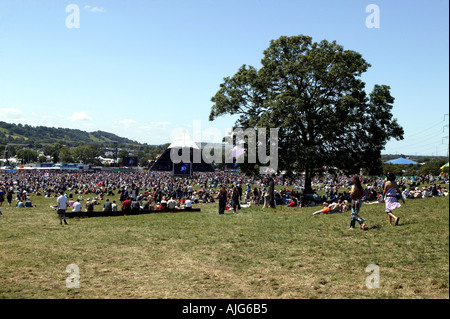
(313, 93)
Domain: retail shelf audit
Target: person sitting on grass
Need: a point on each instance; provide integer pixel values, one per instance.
(171, 204)
(164, 202)
(89, 206)
(151, 204)
(341, 206)
(19, 204)
(126, 204)
(94, 201)
(135, 206)
(107, 206)
(188, 204)
(292, 203)
(145, 203)
(77, 206)
(114, 206)
(28, 203)
(160, 207)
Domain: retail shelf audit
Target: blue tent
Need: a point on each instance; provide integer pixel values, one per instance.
(401, 161)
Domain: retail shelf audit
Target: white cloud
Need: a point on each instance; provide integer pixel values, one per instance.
(160, 124)
(128, 122)
(94, 9)
(79, 116)
(53, 116)
(11, 113)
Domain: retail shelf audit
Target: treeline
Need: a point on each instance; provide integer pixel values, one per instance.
(86, 154)
(38, 135)
(430, 167)
(415, 158)
(34, 143)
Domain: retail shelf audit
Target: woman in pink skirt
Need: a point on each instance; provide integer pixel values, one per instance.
(390, 193)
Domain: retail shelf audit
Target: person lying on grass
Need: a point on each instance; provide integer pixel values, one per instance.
(338, 207)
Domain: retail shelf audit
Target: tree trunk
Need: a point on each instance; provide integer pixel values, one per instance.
(308, 188)
(271, 193)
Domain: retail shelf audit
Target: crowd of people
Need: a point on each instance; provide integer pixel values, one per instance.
(160, 190)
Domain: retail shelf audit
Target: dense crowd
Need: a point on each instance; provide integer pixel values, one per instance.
(156, 189)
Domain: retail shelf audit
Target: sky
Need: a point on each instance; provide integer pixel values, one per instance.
(147, 69)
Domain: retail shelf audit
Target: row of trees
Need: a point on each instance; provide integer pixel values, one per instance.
(432, 167)
(86, 154)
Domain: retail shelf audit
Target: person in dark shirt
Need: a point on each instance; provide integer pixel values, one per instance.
(135, 206)
(9, 197)
(222, 200)
(145, 204)
(28, 203)
(2, 196)
(107, 207)
(89, 205)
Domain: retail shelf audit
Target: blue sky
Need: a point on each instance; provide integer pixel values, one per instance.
(145, 69)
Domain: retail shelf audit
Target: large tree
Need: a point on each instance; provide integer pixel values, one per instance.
(313, 93)
(27, 156)
(86, 154)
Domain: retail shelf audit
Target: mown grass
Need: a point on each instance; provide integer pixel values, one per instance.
(257, 253)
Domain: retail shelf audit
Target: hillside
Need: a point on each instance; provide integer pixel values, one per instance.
(27, 134)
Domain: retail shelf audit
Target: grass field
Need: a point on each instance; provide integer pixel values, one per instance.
(256, 253)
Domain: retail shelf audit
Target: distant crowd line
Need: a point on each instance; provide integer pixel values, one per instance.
(157, 190)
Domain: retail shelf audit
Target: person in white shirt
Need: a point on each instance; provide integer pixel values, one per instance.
(424, 192)
(62, 202)
(188, 204)
(405, 193)
(114, 206)
(77, 206)
(171, 204)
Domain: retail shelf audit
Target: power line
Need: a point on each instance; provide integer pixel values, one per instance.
(422, 141)
(429, 128)
(419, 140)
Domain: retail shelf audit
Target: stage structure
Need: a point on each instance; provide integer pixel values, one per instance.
(180, 148)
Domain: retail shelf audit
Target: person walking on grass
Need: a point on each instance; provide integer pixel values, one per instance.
(9, 196)
(62, 202)
(222, 200)
(2, 196)
(235, 199)
(356, 194)
(390, 193)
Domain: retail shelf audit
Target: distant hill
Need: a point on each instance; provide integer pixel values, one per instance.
(27, 134)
